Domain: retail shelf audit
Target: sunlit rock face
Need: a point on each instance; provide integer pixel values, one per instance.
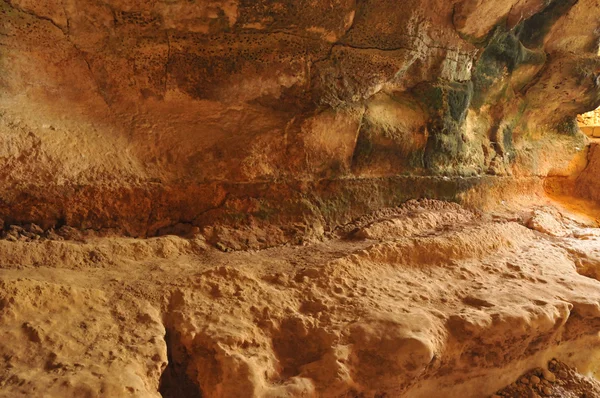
(141, 116)
(589, 123)
(591, 118)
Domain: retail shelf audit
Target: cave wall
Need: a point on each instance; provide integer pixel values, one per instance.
(142, 116)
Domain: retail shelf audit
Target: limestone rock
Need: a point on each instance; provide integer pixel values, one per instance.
(407, 313)
(139, 116)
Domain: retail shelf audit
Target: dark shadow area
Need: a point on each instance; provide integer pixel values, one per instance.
(175, 381)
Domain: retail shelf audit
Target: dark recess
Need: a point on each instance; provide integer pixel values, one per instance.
(175, 382)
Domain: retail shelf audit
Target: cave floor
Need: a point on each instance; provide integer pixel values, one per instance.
(427, 299)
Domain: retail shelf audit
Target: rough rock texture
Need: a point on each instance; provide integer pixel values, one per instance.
(558, 380)
(424, 300)
(591, 118)
(139, 116)
(200, 198)
(587, 185)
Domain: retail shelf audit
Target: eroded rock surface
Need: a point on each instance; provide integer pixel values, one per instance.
(263, 147)
(139, 116)
(557, 380)
(427, 299)
(587, 185)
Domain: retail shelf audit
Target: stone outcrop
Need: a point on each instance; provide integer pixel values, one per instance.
(424, 300)
(144, 115)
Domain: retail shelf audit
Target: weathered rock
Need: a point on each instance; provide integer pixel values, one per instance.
(409, 313)
(285, 134)
(141, 116)
(548, 375)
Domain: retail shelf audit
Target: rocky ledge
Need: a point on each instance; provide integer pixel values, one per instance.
(423, 300)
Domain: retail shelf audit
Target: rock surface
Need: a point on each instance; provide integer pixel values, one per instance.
(427, 299)
(139, 116)
(587, 182)
(200, 198)
(559, 380)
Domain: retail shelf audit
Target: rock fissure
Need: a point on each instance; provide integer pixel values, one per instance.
(37, 16)
(175, 381)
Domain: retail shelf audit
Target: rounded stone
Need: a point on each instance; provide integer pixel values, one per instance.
(562, 374)
(548, 375)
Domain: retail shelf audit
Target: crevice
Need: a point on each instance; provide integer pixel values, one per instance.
(407, 48)
(167, 62)
(358, 130)
(537, 77)
(590, 150)
(452, 16)
(66, 34)
(92, 75)
(36, 16)
(173, 225)
(175, 381)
